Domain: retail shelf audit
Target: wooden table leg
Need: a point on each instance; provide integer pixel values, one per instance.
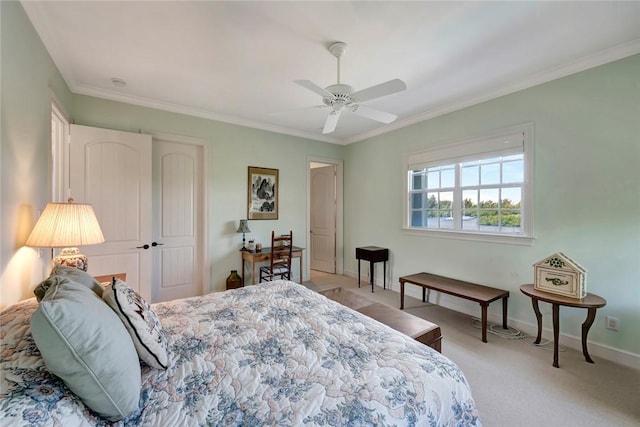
(358, 272)
(556, 333)
(301, 268)
(591, 315)
(242, 273)
(424, 294)
(253, 272)
(371, 270)
(504, 313)
(384, 278)
(536, 310)
(484, 321)
(401, 295)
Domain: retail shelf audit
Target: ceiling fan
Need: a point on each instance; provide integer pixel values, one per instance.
(342, 97)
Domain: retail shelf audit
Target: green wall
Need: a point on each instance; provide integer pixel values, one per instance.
(232, 149)
(28, 77)
(587, 191)
(586, 199)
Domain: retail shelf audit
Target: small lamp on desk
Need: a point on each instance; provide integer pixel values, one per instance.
(66, 224)
(243, 228)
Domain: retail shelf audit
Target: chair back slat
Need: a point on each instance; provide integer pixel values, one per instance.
(281, 254)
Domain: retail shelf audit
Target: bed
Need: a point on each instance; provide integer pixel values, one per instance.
(272, 354)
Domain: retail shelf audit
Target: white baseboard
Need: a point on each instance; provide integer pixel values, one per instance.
(603, 351)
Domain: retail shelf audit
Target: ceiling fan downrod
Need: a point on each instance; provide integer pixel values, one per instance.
(338, 49)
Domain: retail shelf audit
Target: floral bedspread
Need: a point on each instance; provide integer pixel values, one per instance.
(275, 354)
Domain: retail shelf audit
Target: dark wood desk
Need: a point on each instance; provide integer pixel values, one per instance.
(373, 254)
(253, 257)
(591, 302)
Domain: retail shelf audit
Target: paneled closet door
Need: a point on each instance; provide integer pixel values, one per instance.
(111, 170)
(177, 207)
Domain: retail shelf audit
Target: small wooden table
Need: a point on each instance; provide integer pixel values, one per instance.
(483, 295)
(373, 254)
(591, 302)
(253, 257)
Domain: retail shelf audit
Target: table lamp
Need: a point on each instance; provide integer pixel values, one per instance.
(243, 228)
(66, 225)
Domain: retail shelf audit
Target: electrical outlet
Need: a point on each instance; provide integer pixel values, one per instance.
(613, 323)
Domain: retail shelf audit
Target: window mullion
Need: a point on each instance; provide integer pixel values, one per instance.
(457, 199)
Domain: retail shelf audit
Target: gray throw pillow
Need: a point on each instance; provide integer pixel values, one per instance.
(141, 322)
(84, 343)
(59, 272)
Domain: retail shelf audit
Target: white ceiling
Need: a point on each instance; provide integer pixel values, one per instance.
(236, 61)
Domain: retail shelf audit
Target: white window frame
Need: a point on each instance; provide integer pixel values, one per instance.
(465, 149)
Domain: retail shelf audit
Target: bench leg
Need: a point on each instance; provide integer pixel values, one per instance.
(504, 313)
(484, 321)
(401, 295)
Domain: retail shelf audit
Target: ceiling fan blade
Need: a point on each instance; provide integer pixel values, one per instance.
(308, 84)
(332, 121)
(383, 89)
(373, 114)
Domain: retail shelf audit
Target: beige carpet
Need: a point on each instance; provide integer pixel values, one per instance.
(512, 381)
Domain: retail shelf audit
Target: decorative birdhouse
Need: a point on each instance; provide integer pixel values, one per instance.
(560, 275)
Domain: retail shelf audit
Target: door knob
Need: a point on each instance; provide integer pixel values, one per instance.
(154, 244)
(145, 246)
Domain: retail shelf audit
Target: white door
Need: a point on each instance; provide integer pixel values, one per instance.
(147, 194)
(177, 189)
(111, 170)
(323, 219)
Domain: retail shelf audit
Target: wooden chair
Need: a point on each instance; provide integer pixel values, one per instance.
(280, 262)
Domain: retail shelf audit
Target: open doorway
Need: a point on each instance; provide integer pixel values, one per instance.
(325, 216)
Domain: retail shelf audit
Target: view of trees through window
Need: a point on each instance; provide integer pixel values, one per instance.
(480, 195)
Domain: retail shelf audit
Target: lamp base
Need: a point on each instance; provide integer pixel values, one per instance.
(71, 257)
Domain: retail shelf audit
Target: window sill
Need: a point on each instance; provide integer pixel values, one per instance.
(476, 237)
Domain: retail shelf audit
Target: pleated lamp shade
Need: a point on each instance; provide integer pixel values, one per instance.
(67, 224)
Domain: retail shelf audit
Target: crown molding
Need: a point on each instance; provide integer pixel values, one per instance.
(591, 61)
(195, 112)
(35, 12)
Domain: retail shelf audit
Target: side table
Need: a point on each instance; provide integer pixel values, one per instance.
(591, 302)
(373, 254)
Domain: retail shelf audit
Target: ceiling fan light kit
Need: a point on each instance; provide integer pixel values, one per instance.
(340, 97)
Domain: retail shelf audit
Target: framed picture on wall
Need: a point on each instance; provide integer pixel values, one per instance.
(262, 193)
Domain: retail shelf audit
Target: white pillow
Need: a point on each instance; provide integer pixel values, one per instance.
(141, 322)
(84, 343)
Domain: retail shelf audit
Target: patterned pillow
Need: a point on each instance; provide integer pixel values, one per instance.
(141, 322)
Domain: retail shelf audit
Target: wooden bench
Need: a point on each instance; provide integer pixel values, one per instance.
(419, 329)
(483, 295)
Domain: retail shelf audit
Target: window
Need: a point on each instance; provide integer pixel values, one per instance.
(478, 187)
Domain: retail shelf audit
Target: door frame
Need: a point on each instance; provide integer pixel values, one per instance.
(339, 211)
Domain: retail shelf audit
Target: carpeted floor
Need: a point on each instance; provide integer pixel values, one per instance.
(512, 381)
